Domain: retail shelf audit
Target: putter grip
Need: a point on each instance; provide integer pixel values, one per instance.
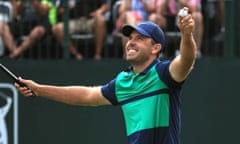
(23, 85)
(14, 77)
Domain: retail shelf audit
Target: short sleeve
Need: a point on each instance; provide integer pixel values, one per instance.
(164, 74)
(108, 91)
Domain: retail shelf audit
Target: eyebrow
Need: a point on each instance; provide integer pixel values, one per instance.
(138, 35)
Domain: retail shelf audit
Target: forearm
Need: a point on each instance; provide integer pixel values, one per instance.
(104, 8)
(75, 95)
(188, 51)
(188, 48)
(183, 63)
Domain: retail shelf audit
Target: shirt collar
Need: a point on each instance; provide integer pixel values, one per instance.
(130, 68)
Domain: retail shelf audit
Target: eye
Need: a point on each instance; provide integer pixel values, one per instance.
(139, 37)
(130, 37)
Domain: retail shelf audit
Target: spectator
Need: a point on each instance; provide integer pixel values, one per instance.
(167, 9)
(159, 16)
(46, 11)
(220, 35)
(195, 9)
(5, 28)
(89, 19)
(133, 12)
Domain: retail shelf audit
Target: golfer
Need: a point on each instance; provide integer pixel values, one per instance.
(148, 92)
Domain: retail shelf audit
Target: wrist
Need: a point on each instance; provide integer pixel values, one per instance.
(185, 34)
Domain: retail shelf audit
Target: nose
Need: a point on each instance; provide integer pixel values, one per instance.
(131, 43)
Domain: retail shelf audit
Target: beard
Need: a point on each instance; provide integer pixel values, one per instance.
(137, 59)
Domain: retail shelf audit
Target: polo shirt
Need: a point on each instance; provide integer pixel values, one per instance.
(150, 102)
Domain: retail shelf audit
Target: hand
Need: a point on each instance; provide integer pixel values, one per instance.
(186, 24)
(96, 13)
(29, 88)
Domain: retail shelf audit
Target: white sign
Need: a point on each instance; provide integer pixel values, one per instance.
(9, 101)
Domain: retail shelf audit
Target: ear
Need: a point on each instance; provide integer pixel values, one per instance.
(156, 48)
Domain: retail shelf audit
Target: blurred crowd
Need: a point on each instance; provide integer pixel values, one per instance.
(24, 25)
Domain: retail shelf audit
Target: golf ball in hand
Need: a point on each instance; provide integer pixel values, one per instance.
(183, 12)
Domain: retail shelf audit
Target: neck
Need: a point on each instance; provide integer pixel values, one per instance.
(140, 67)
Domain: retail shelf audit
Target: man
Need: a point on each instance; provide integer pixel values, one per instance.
(6, 29)
(132, 12)
(45, 17)
(148, 92)
(88, 17)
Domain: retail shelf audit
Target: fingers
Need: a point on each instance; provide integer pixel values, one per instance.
(186, 24)
(24, 89)
(186, 21)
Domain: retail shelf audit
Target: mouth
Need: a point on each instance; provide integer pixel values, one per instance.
(131, 51)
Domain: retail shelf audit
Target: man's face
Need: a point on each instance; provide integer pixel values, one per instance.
(138, 49)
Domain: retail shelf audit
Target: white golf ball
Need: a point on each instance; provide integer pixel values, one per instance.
(183, 12)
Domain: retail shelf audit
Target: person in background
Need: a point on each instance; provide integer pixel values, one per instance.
(6, 31)
(46, 18)
(220, 35)
(88, 18)
(195, 10)
(148, 92)
(133, 12)
(168, 9)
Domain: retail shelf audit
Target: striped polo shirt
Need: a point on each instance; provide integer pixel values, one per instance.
(150, 102)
